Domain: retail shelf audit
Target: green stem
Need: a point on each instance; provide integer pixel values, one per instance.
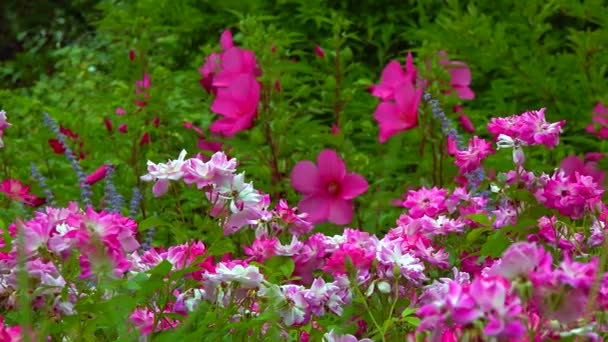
(378, 327)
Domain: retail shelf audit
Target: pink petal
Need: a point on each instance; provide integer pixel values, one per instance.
(305, 178)
(353, 185)
(229, 126)
(600, 109)
(331, 167)
(224, 104)
(460, 74)
(226, 40)
(410, 69)
(387, 116)
(464, 93)
(571, 164)
(340, 211)
(405, 96)
(393, 73)
(161, 187)
(316, 206)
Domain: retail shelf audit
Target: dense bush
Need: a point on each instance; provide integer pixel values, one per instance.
(380, 121)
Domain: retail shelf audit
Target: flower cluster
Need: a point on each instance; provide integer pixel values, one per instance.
(17, 191)
(398, 110)
(529, 128)
(100, 242)
(231, 75)
(233, 199)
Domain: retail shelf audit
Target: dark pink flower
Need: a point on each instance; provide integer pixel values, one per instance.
(401, 115)
(226, 41)
(572, 164)
(108, 124)
(17, 191)
(328, 188)
(319, 51)
(429, 202)
(466, 123)
(235, 63)
(599, 126)
(131, 55)
(98, 174)
(393, 76)
(469, 159)
(238, 103)
(335, 130)
(460, 77)
(145, 139)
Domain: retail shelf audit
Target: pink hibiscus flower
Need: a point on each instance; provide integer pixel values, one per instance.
(328, 188)
(238, 103)
(401, 115)
(460, 77)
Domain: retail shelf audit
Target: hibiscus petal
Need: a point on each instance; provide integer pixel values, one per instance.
(353, 185)
(316, 206)
(225, 105)
(226, 40)
(393, 73)
(305, 178)
(404, 95)
(464, 92)
(340, 211)
(460, 74)
(331, 167)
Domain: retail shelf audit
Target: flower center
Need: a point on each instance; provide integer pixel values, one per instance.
(333, 188)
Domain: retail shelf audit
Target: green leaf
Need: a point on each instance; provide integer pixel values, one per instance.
(408, 312)
(495, 245)
(480, 218)
(221, 247)
(415, 321)
(152, 221)
(475, 234)
(161, 269)
(287, 267)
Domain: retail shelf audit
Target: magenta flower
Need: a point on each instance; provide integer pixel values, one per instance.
(401, 115)
(460, 77)
(328, 188)
(429, 202)
(520, 259)
(393, 76)
(572, 164)
(599, 126)
(238, 103)
(98, 174)
(319, 51)
(235, 62)
(469, 159)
